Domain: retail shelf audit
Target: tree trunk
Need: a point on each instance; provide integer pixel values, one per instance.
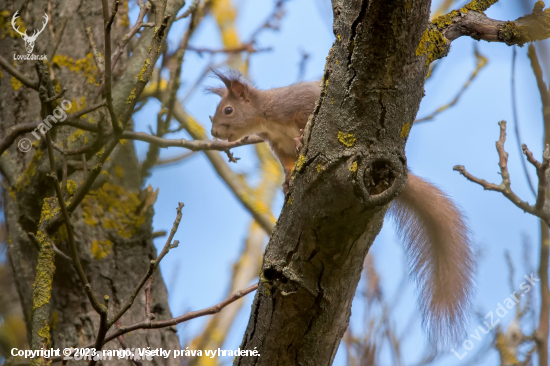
(112, 226)
(352, 166)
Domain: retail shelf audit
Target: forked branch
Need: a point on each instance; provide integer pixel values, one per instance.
(540, 208)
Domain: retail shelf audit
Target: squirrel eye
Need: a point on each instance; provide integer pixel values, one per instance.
(228, 110)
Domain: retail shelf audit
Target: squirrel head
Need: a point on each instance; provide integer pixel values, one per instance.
(239, 111)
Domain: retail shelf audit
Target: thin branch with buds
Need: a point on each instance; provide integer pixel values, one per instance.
(124, 41)
(154, 264)
(481, 63)
(108, 21)
(194, 145)
(516, 119)
(540, 209)
(149, 324)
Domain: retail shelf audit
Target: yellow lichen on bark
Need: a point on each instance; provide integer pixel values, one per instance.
(30, 171)
(6, 29)
(77, 105)
(85, 66)
(114, 208)
(300, 163)
(405, 130)
(16, 84)
(123, 14)
(42, 286)
(478, 5)
(346, 139)
(131, 97)
(101, 248)
(225, 15)
(432, 44)
(143, 70)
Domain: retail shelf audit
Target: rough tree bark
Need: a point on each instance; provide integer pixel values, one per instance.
(373, 85)
(112, 226)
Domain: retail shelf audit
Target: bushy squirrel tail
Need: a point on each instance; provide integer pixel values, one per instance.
(437, 242)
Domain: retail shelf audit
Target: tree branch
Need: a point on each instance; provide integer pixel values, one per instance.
(505, 187)
(148, 324)
(18, 75)
(516, 119)
(154, 264)
(108, 21)
(541, 173)
(194, 145)
(71, 120)
(471, 21)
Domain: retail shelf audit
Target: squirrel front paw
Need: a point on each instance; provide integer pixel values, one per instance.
(298, 141)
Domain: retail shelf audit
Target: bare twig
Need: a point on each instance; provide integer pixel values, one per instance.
(154, 264)
(481, 63)
(124, 345)
(148, 324)
(84, 149)
(302, 66)
(194, 145)
(148, 298)
(108, 21)
(541, 173)
(192, 8)
(65, 168)
(57, 96)
(54, 247)
(516, 120)
(237, 49)
(124, 41)
(33, 84)
(505, 186)
(175, 159)
(72, 120)
(98, 307)
(167, 108)
(58, 35)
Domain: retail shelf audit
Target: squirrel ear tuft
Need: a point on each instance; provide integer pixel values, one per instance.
(235, 84)
(223, 78)
(222, 92)
(239, 89)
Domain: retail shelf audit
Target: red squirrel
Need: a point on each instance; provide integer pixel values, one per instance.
(432, 228)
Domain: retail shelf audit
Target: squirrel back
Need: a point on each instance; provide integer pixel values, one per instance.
(432, 227)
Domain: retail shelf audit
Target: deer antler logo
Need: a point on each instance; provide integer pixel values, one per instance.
(29, 40)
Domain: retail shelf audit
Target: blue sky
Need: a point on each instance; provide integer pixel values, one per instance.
(214, 224)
